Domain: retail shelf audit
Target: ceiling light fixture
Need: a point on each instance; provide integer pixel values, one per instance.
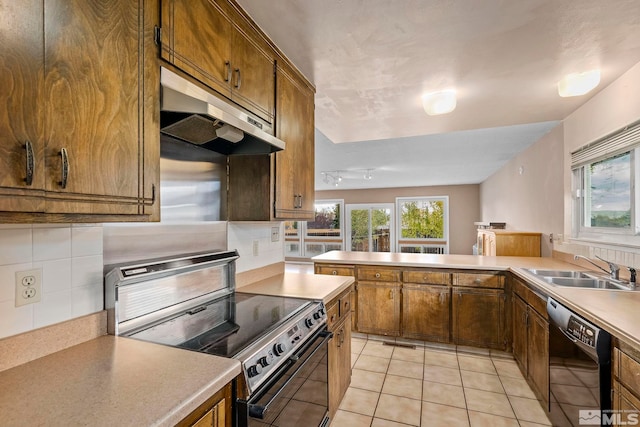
(441, 102)
(367, 174)
(576, 84)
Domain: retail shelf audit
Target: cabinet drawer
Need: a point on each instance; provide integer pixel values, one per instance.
(335, 270)
(333, 315)
(627, 370)
(426, 277)
(378, 274)
(479, 280)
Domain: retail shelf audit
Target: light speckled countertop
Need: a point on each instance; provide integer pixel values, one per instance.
(112, 381)
(616, 311)
(118, 381)
(301, 285)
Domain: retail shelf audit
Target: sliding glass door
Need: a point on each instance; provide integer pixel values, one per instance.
(370, 228)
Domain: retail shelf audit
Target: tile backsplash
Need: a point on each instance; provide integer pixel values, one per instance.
(70, 256)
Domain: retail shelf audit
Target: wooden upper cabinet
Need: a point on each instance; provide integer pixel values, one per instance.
(21, 115)
(295, 165)
(212, 41)
(87, 101)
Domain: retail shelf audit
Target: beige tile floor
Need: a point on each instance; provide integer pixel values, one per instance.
(396, 386)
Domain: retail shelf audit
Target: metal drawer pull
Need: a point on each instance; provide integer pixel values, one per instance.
(65, 168)
(238, 79)
(30, 162)
(391, 294)
(227, 66)
(334, 272)
(377, 275)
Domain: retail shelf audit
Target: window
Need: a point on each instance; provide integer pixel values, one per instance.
(370, 228)
(605, 174)
(423, 224)
(311, 238)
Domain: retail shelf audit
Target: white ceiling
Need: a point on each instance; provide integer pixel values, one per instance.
(371, 60)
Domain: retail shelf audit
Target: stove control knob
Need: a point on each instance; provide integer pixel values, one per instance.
(279, 348)
(254, 370)
(308, 322)
(265, 360)
(317, 315)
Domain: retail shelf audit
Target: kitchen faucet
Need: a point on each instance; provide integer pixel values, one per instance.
(614, 270)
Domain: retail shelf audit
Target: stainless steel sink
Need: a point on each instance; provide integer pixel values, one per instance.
(580, 279)
(559, 273)
(584, 283)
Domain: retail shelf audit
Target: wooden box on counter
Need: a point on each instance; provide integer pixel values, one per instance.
(508, 243)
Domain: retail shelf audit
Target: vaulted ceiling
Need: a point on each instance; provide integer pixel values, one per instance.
(371, 60)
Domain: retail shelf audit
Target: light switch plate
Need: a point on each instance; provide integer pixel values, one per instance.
(275, 234)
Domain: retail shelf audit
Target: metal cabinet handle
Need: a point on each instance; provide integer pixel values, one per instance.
(300, 201)
(238, 78)
(227, 66)
(377, 275)
(391, 294)
(65, 168)
(30, 162)
(334, 272)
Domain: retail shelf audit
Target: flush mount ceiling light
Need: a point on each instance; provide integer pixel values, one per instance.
(576, 84)
(367, 174)
(442, 102)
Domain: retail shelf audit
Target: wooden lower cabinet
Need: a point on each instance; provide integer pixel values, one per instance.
(339, 353)
(538, 354)
(626, 384)
(479, 317)
(531, 340)
(379, 308)
(426, 312)
(520, 332)
(339, 363)
(214, 412)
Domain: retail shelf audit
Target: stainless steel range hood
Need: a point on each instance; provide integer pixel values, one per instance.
(190, 113)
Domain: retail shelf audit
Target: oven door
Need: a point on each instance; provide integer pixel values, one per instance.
(296, 394)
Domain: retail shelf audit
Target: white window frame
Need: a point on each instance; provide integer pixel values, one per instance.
(418, 241)
(303, 239)
(369, 206)
(625, 140)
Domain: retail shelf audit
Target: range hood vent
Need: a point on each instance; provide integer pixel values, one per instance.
(191, 114)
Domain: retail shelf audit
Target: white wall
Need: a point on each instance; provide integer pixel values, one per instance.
(530, 203)
(531, 200)
(71, 260)
(241, 236)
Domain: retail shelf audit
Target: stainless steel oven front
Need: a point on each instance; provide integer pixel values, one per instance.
(296, 394)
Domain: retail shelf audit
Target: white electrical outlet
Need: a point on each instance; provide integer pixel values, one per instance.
(275, 234)
(28, 286)
(256, 248)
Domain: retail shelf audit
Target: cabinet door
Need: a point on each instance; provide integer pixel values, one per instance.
(253, 82)
(21, 116)
(294, 166)
(379, 308)
(625, 404)
(93, 99)
(426, 312)
(478, 317)
(538, 355)
(520, 333)
(196, 37)
(339, 365)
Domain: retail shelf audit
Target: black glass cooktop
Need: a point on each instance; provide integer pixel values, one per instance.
(225, 326)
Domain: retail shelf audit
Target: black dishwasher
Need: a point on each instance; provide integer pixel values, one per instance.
(579, 369)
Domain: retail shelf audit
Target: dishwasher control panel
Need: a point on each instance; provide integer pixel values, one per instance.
(581, 331)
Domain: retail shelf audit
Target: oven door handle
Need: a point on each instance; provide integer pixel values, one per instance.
(258, 411)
